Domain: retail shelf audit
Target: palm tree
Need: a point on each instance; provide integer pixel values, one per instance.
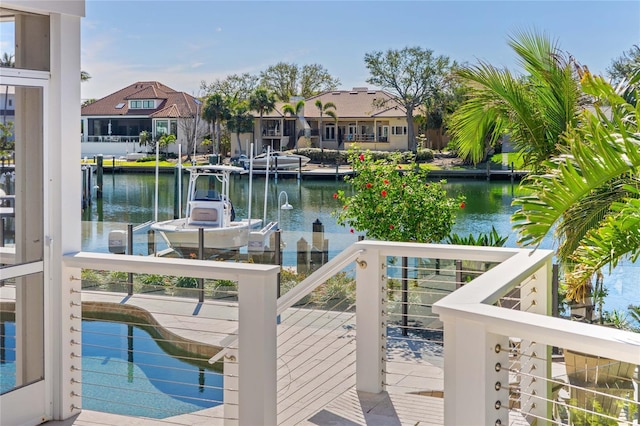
(329, 109)
(6, 61)
(262, 102)
(215, 111)
(84, 76)
(595, 178)
(534, 110)
(240, 121)
(295, 111)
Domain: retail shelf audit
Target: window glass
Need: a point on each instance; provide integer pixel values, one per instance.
(135, 104)
(162, 127)
(21, 178)
(148, 104)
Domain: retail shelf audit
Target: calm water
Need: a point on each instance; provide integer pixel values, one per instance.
(124, 371)
(129, 198)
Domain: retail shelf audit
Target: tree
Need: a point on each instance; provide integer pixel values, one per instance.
(192, 127)
(411, 74)
(263, 102)
(393, 206)
(234, 86)
(622, 68)
(84, 76)
(6, 61)
(534, 110)
(165, 140)
(296, 111)
(240, 120)
(315, 79)
(215, 111)
(329, 109)
(286, 80)
(595, 176)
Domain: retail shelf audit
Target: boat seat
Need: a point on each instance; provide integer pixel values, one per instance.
(204, 215)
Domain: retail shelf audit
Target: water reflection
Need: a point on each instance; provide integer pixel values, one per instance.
(129, 198)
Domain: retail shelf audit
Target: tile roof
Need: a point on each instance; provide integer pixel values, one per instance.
(356, 103)
(173, 104)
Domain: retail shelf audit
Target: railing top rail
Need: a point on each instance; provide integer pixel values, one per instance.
(168, 266)
(474, 302)
(443, 251)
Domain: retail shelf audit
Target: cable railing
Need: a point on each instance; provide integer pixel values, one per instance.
(447, 334)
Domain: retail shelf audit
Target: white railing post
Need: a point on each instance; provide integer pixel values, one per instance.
(476, 374)
(230, 393)
(535, 358)
(257, 341)
(371, 286)
(69, 364)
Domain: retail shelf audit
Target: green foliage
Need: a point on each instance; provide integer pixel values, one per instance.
(513, 158)
(145, 137)
(337, 293)
(332, 156)
(489, 239)
(186, 282)
(591, 195)
(153, 279)
(593, 415)
(6, 132)
(118, 276)
(395, 202)
(534, 110)
(412, 74)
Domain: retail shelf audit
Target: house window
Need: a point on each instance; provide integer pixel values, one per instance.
(330, 131)
(174, 127)
(148, 104)
(162, 127)
(10, 102)
(135, 104)
(399, 130)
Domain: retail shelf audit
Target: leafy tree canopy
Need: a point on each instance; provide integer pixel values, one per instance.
(234, 86)
(413, 74)
(286, 80)
(623, 67)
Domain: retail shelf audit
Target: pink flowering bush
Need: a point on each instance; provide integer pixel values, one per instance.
(393, 204)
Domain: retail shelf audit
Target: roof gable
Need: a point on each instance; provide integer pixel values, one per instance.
(174, 104)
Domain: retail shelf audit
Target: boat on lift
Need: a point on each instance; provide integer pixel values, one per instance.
(275, 160)
(209, 207)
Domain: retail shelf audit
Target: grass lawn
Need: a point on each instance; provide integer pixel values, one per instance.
(513, 157)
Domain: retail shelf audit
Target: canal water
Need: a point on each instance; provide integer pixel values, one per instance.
(130, 198)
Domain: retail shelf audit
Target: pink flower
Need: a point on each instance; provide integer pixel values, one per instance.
(386, 182)
(361, 157)
(462, 205)
(351, 230)
(391, 227)
(368, 185)
(335, 195)
(383, 193)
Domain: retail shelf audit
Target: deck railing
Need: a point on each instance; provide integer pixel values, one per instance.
(471, 324)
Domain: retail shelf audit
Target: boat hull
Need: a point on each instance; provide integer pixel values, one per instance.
(184, 238)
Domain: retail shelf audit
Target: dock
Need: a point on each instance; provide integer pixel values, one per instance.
(339, 172)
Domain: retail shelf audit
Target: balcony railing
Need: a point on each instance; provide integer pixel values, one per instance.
(414, 321)
(112, 138)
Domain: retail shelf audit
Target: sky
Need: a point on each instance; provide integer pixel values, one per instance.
(181, 43)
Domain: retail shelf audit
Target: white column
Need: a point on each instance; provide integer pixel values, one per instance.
(535, 358)
(371, 342)
(476, 376)
(257, 350)
(64, 189)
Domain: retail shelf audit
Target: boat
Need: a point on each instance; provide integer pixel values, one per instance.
(209, 208)
(277, 160)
